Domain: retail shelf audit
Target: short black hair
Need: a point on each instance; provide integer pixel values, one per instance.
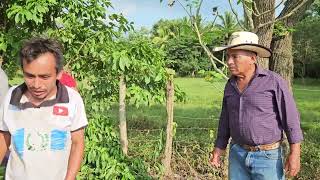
(35, 47)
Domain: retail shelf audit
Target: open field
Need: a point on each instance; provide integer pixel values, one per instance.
(196, 121)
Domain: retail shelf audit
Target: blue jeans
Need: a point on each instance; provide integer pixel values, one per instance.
(258, 165)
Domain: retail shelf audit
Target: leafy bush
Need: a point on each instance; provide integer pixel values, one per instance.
(103, 155)
(310, 161)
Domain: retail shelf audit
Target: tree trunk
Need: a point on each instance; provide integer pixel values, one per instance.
(122, 115)
(265, 13)
(168, 148)
(282, 59)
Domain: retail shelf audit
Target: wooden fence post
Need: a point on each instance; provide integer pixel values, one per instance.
(122, 115)
(169, 139)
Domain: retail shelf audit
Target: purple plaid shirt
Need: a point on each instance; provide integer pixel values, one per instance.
(260, 113)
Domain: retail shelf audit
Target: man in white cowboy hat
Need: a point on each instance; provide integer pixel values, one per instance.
(257, 107)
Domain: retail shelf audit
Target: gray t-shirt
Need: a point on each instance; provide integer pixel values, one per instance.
(3, 84)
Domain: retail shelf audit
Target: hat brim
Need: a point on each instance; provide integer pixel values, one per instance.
(261, 51)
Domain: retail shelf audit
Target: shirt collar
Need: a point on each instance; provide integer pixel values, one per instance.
(258, 72)
(61, 97)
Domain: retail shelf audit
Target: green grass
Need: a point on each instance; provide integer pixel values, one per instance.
(201, 109)
(307, 96)
(197, 123)
(203, 105)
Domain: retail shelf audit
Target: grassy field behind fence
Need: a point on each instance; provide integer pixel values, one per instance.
(196, 121)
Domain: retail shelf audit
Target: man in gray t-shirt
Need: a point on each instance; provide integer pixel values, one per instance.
(3, 84)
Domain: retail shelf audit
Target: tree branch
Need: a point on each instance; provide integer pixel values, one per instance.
(284, 17)
(236, 14)
(189, 14)
(255, 10)
(248, 18)
(198, 9)
(276, 7)
(194, 26)
(210, 55)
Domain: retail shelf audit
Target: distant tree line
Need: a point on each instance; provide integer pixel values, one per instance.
(185, 55)
(183, 52)
(306, 43)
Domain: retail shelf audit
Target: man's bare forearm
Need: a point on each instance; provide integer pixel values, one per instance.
(75, 160)
(295, 148)
(4, 144)
(76, 154)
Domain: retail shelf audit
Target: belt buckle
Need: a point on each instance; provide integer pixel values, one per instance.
(254, 148)
(251, 148)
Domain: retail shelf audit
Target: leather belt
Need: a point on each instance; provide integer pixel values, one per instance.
(263, 147)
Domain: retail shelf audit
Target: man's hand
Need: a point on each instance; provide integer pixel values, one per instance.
(292, 165)
(215, 160)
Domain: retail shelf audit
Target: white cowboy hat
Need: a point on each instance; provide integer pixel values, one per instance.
(246, 41)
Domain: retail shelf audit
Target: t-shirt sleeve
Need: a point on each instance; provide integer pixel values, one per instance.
(3, 85)
(3, 106)
(80, 118)
(3, 126)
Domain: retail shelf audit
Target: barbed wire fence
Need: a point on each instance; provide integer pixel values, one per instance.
(191, 145)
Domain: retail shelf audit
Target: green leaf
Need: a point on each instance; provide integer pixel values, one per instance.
(158, 77)
(17, 18)
(29, 15)
(147, 79)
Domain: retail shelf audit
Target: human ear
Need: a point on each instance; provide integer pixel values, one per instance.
(59, 75)
(253, 59)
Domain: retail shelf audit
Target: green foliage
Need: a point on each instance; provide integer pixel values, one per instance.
(104, 158)
(314, 10)
(306, 42)
(32, 10)
(2, 171)
(186, 56)
(79, 24)
(281, 30)
(227, 26)
(183, 51)
(88, 34)
(310, 160)
(143, 66)
(211, 76)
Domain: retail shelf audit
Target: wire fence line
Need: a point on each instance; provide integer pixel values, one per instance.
(184, 117)
(174, 141)
(159, 129)
(314, 90)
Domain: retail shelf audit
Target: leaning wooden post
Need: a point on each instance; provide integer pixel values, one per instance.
(168, 149)
(122, 115)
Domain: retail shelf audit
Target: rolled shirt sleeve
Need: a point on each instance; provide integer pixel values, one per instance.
(289, 115)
